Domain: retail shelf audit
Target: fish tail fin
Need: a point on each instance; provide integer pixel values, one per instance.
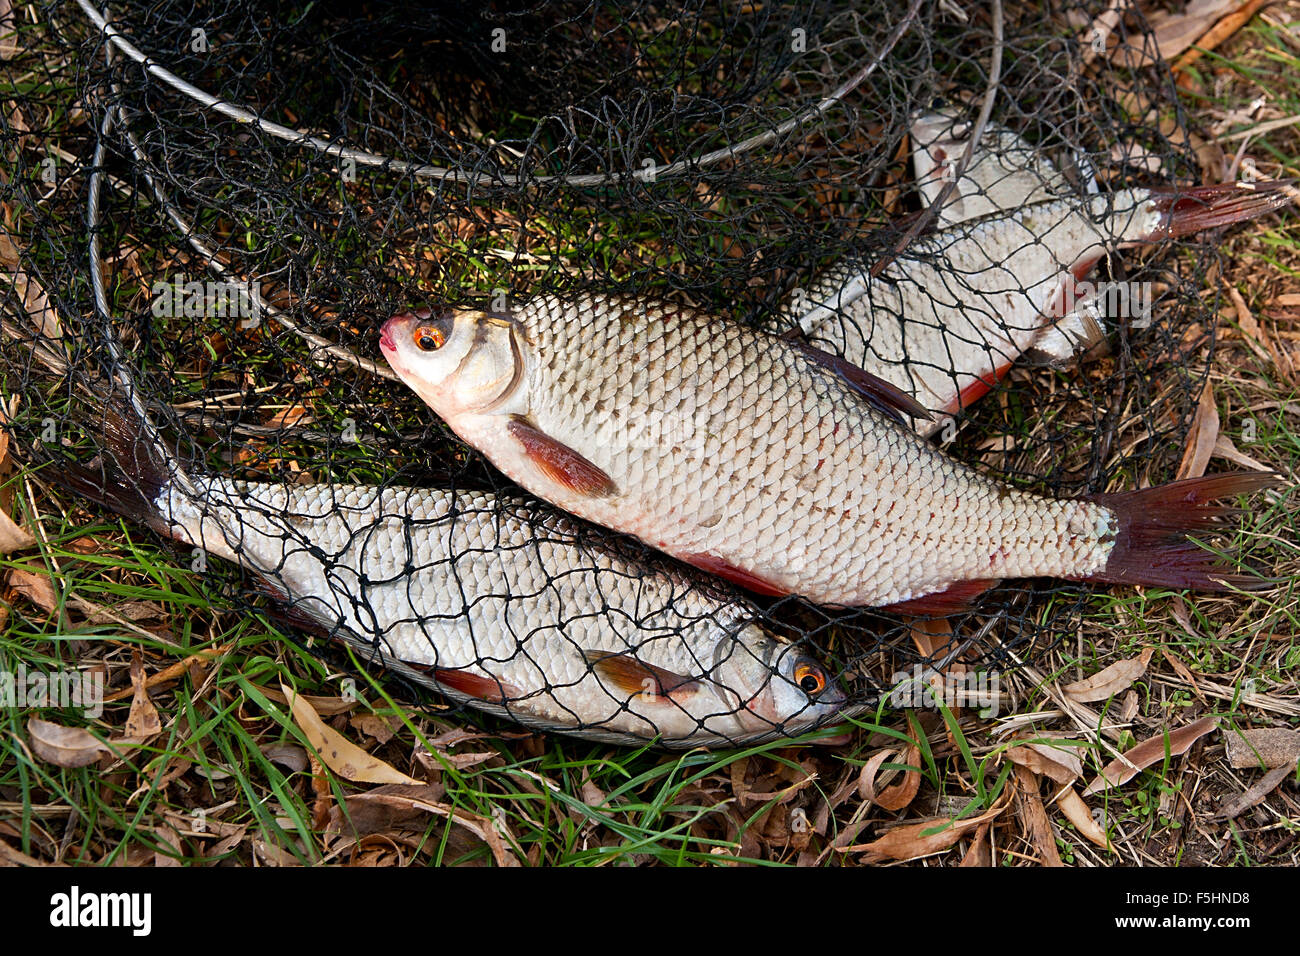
(1191, 210)
(1153, 546)
(131, 472)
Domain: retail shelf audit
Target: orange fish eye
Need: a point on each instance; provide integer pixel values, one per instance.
(428, 339)
(810, 678)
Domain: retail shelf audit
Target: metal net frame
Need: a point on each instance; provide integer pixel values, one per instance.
(227, 201)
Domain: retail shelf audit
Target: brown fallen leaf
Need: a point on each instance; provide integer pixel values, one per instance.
(36, 587)
(325, 706)
(337, 752)
(1255, 793)
(1058, 763)
(372, 725)
(921, 839)
(898, 796)
(13, 537)
(1181, 669)
(1109, 681)
(1150, 751)
(1076, 811)
(36, 304)
(9, 47)
(64, 746)
(1033, 818)
(1202, 437)
(174, 671)
(142, 722)
(1221, 31)
(1225, 449)
(1174, 32)
(978, 854)
(1263, 746)
(388, 807)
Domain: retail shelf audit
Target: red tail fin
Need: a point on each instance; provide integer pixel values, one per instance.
(128, 477)
(1187, 211)
(1152, 546)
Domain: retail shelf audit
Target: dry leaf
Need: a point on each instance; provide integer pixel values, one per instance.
(325, 706)
(1176, 663)
(1060, 764)
(36, 304)
(1221, 31)
(1175, 32)
(290, 756)
(900, 794)
(1128, 707)
(916, 840)
(1266, 746)
(1148, 752)
(1076, 811)
(8, 42)
(1202, 437)
(977, 854)
(1256, 793)
(372, 725)
(386, 807)
(338, 753)
(36, 587)
(1225, 449)
(12, 536)
(1110, 681)
(142, 722)
(1033, 817)
(64, 746)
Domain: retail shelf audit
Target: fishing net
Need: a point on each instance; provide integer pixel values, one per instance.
(264, 186)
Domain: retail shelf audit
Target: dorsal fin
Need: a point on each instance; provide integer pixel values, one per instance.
(880, 394)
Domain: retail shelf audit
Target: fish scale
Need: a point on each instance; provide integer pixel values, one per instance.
(893, 518)
(503, 605)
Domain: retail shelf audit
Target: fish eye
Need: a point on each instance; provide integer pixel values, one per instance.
(810, 678)
(428, 339)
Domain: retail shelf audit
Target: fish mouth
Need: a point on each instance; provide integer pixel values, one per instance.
(385, 336)
(395, 324)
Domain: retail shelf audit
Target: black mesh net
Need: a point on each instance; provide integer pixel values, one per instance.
(267, 185)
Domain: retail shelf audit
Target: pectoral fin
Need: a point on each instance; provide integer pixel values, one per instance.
(560, 463)
(631, 676)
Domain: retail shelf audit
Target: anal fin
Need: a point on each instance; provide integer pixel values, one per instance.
(953, 599)
(738, 576)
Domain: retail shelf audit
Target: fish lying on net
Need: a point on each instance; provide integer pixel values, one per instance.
(946, 319)
(1005, 172)
(757, 459)
(500, 604)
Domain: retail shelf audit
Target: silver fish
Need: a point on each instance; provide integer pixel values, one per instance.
(1004, 173)
(945, 320)
(497, 603)
(758, 459)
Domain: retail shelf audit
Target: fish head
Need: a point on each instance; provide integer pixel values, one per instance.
(779, 685)
(459, 361)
